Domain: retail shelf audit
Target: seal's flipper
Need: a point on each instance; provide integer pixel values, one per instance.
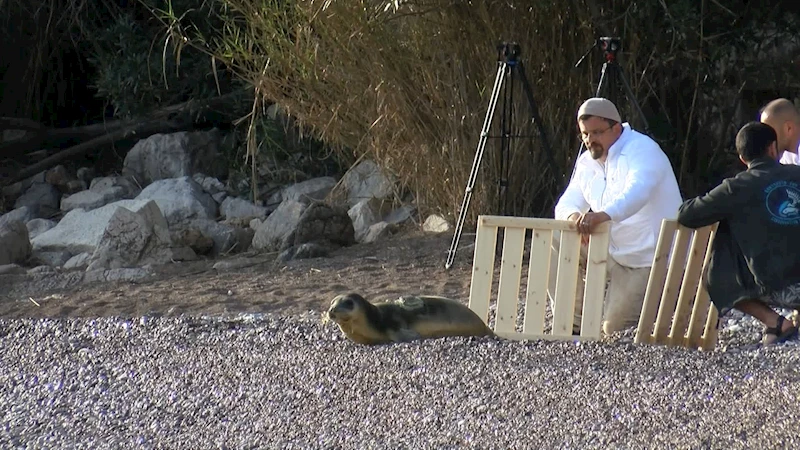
(410, 302)
(404, 335)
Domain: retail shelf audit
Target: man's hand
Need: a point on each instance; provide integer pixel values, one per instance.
(590, 220)
(576, 217)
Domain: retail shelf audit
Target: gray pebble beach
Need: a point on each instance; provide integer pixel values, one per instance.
(272, 382)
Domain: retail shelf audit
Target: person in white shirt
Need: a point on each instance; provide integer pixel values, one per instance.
(623, 177)
(783, 116)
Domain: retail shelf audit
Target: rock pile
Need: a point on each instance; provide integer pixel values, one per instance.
(173, 201)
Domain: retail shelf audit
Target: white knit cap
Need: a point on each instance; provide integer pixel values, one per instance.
(600, 107)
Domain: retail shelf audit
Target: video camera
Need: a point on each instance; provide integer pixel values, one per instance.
(609, 45)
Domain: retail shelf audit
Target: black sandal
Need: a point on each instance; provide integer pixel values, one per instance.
(781, 337)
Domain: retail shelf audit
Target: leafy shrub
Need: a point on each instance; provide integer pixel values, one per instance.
(138, 71)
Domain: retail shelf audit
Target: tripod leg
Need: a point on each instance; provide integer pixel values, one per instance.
(600, 85)
(505, 141)
(548, 150)
(632, 98)
(613, 86)
(498, 82)
(603, 80)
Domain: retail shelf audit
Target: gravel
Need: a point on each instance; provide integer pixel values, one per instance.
(289, 382)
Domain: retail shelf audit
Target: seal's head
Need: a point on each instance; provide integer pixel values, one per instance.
(346, 309)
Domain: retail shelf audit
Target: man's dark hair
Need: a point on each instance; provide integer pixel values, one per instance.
(753, 140)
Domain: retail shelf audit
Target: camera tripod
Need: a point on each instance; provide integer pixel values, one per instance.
(508, 65)
(611, 71)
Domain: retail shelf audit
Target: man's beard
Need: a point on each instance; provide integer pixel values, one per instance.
(596, 151)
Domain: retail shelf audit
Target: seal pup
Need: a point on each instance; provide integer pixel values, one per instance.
(404, 319)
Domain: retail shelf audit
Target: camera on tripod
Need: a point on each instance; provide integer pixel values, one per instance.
(508, 66)
(508, 50)
(609, 45)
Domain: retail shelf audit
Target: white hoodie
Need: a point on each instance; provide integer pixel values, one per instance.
(788, 157)
(636, 187)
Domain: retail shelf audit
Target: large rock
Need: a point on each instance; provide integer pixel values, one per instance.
(23, 214)
(313, 190)
(436, 224)
(366, 213)
(59, 177)
(15, 247)
(54, 259)
(137, 238)
(367, 180)
(271, 233)
(79, 261)
(89, 199)
(210, 184)
(174, 155)
(42, 198)
(101, 192)
(324, 225)
(378, 232)
(85, 174)
(66, 181)
(14, 191)
(226, 238)
(79, 230)
(115, 183)
(39, 226)
(235, 207)
(182, 200)
(194, 239)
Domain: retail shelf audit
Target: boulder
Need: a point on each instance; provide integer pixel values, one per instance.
(138, 238)
(272, 232)
(181, 200)
(365, 181)
(15, 247)
(175, 155)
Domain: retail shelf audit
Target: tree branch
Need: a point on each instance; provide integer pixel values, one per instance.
(141, 131)
(15, 123)
(225, 108)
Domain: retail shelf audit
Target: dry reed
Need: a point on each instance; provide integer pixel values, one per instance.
(410, 87)
(407, 83)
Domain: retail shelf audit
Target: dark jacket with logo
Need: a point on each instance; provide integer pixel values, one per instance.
(756, 249)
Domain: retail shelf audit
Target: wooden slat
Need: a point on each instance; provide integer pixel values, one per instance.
(702, 303)
(672, 287)
(540, 268)
(530, 223)
(595, 287)
(510, 277)
(691, 281)
(566, 283)
(538, 276)
(711, 331)
(655, 284)
(480, 288)
(664, 317)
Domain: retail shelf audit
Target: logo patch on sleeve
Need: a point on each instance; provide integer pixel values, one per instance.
(783, 202)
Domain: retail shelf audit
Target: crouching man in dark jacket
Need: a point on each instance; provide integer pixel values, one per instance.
(755, 264)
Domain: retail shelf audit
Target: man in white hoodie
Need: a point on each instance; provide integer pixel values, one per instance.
(782, 115)
(623, 177)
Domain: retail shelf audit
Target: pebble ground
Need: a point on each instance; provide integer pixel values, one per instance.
(255, 382)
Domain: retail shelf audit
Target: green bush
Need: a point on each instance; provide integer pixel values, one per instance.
(140, 68)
